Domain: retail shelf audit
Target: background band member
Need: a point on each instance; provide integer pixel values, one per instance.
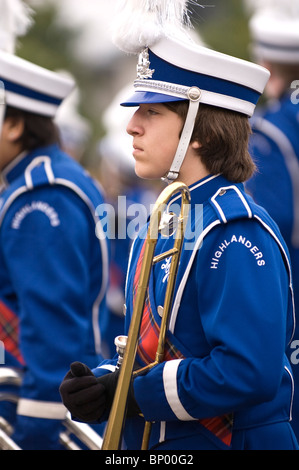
(274, 144)
(53, 268)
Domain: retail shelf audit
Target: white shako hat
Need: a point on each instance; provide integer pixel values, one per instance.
(173, 70)
(172, 67)
(32, 88)
(24, 85)
(274, 29)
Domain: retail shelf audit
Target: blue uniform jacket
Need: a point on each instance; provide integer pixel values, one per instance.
(53, 279)
(275, 186)
(230, 325)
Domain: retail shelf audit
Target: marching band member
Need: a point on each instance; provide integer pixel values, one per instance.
(225, 382)
(275, 143)
(53, 267)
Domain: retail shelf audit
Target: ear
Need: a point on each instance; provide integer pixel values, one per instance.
(196, 145)
(14, 128)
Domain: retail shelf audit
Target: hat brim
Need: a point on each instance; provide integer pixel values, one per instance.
(144, 97)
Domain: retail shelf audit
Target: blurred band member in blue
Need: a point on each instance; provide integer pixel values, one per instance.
(274, 144)
(53, 266)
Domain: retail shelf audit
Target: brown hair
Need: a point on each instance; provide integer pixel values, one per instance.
(39, 131)
(224, 137)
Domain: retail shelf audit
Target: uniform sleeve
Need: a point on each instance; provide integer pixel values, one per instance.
(47, 240)
(241, 293)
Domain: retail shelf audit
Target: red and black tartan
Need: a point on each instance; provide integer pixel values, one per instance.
(9, 332)
(220, 426)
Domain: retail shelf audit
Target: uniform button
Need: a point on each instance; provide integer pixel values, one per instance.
(160, 310)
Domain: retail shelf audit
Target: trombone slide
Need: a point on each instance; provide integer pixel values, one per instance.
(83, 432)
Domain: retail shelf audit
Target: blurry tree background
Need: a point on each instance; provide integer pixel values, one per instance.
(221, 24)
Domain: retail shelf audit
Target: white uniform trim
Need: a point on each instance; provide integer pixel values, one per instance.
(179, 196)
(35, 163)
(293, 391)
(108, 367)
(162, 431)
(41, 409)
(236, 189)
(8, 168)
(10, 200)
(171, 390)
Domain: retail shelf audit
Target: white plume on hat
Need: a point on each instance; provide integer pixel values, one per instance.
(15, 20)
(141, 23)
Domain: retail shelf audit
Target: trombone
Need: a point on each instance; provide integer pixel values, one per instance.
(113, 433)
(8, 376)
(82, 431)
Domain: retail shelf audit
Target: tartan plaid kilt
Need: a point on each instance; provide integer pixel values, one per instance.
(9, 332)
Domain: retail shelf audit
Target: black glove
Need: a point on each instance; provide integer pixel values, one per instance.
(109, 381)
(82, 394)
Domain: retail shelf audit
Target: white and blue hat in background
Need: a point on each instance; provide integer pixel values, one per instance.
(32, 88)
(173, 67)
(24, 85)
(274, 29)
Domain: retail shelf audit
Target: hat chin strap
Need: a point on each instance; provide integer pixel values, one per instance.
(183, 143)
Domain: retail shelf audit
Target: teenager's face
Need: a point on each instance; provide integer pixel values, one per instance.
(11, 131)
(155, 130)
